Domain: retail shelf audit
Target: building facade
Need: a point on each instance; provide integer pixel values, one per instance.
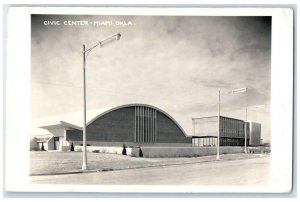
(255, 133)
(140, 125)
(232, 132)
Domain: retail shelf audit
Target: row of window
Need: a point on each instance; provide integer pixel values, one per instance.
(231, 128)
(228, 127)
(232, 142)
(208, 141)
(213, 141)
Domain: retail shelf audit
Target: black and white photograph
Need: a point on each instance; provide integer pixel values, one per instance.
(151, 99)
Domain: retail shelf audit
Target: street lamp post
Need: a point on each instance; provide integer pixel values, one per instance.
(84, 162)
(85, 54)
(243, 90)
(218, 143)
(246, 130)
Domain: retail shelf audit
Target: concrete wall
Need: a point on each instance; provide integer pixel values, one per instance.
(50, 144)
(207, 126)
(156, 152)
(33, 144)
(111, 150)
(64, 148)
(128, 144)
(255, 133)
(152, 152)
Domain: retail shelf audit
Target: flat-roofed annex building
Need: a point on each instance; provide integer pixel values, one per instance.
(254, 133)
(232, 132)
(132, 125)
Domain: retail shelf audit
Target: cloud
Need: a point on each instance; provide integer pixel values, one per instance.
(210, 83)
(175, 62)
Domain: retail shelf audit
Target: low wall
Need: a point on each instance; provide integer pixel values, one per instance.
(131, 144)
(153, 152)
(157, 152)
(64, 148)
(259, 149)
(111, 150)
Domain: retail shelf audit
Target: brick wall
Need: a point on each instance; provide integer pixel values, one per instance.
(116, 126)
(168, 131)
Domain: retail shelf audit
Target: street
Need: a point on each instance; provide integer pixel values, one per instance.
(253, 171)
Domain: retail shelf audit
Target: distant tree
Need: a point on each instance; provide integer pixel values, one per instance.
(72, 147)
(42, 148)
(124, 150)
(140, 153)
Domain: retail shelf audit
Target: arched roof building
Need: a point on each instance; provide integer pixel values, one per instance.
(131, 124)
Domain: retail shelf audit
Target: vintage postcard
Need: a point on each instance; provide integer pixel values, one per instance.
(180, 100)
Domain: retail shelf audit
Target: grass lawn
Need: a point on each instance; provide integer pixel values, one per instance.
(61, 162)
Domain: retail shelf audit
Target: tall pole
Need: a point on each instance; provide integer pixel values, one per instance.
(85, 53)
(218, 144)
(242, 90)
(246, 131)
(84, 161)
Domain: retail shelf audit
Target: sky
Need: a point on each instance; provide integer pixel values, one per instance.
(176, 63)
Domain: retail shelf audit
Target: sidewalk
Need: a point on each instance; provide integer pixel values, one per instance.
(44, 163)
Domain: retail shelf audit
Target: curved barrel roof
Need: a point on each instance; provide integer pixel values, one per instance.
(75, 120)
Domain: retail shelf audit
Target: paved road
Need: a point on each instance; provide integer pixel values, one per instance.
(233, 172)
